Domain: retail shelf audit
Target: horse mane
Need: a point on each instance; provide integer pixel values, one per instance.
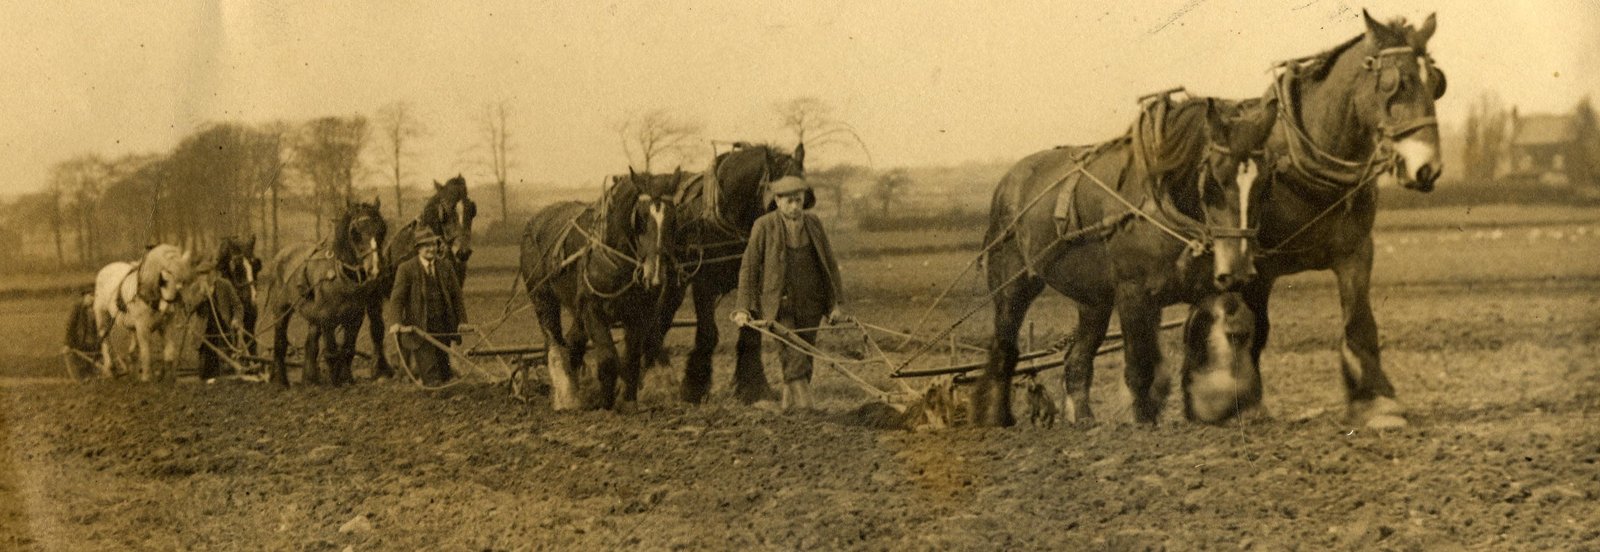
(744, 198)
(1316, 67)
(163, 258)
(343, 245)
(227, 248)
(431, 208)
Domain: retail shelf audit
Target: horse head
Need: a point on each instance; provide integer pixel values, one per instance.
(1228, 187)
(643, 211)
(450, 213)
(237, 262)
(1390, 84)
(743, 175)
(164, 275)
(358, 237)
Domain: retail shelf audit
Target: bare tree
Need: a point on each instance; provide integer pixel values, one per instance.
(272, 154)
(328, 153)
(655, 133)
(813, 123)
(1486, 136)
(397, 126)
(834, 179)
(82, 179)
(496, 126)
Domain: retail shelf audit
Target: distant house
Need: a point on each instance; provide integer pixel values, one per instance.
(1552, 149)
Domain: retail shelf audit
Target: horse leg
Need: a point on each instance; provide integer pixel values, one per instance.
(605, 349)
(280, 347)
(636, 349)
(991, 402)
(169, 352)
(346, 346)
(250, 314)
(697, 368)
(1078, 367)
(333, 344)
(1256, 297)
(577, 345)
(1370, 396)
(563, 379)
(381, 369)
(666, 309)
(1141, 320)
(313, 355)
(141, 334)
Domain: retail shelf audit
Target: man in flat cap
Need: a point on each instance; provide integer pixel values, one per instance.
(426, 298)
(791, 277)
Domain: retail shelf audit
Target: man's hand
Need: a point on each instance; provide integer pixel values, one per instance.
(741, 318)
(394, 328)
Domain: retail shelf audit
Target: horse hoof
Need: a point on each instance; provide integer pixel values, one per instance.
(1380, 413)
(1386, 421)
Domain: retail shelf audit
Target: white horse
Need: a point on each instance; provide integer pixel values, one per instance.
(144, 296)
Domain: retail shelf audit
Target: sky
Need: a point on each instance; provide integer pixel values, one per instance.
(923, 82)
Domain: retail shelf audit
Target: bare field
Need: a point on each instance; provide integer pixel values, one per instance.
(1490, 339)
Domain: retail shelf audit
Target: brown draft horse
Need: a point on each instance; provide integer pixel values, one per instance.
(1348, 117)
(449, 213)
(602, 264)
(331, 285)
(714, 219)
(1176, 227)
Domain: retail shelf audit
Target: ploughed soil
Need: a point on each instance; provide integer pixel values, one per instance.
(1503, 452)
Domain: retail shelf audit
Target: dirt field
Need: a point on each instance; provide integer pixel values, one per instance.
(1489, 332)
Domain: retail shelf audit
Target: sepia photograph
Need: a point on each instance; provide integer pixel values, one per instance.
(1170, 275)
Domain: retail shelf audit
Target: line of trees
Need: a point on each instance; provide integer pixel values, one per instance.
(232, 178)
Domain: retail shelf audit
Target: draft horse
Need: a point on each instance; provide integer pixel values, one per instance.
(714, 218)
(602, 264)
(449, 213)
(1157, 217)
(146, 296)
(331, 285)
(1349, 117)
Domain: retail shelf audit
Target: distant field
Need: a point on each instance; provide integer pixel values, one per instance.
(1397, 234)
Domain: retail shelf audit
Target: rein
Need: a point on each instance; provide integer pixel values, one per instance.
(1326, 172)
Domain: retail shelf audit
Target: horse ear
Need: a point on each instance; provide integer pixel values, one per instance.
(631, 175)
(1379, 33)
(800, 153)
(437, 185)
(1217, 120)
(1419, 39)
(250, 244)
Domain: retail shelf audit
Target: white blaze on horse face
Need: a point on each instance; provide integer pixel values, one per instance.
(250, 278)
(372, 257)
(1246, 179)
(652, 268)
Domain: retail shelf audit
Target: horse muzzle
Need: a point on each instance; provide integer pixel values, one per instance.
(1417, 164)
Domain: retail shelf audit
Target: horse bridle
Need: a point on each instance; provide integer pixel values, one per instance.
(1386, 81)
(1213, 232)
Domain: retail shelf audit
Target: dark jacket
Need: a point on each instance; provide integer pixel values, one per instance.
(761, 274)
(408, 301)
(222, 311)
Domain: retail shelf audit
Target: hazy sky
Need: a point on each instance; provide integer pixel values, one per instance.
(923, 82)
